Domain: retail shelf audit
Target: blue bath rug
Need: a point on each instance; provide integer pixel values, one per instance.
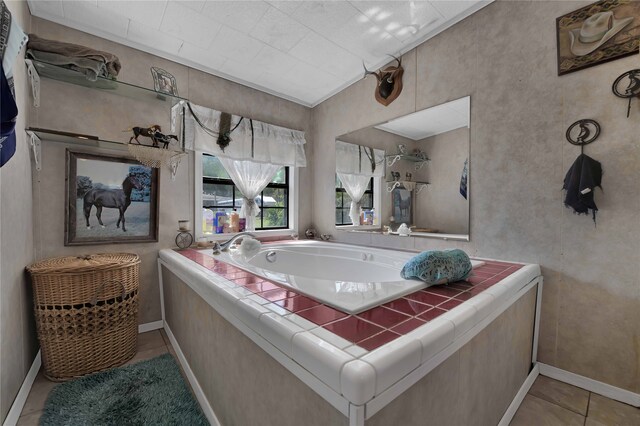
(150, 392)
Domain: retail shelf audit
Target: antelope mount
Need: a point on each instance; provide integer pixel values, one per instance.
(389, 84)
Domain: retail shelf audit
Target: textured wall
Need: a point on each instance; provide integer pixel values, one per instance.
(440, 205)
(77, 109)
(504, 57)
(18, 345)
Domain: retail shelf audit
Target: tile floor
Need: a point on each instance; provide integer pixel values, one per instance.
(550, 402)
(150, 345)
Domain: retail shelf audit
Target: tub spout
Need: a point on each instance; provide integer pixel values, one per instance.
(217, 247)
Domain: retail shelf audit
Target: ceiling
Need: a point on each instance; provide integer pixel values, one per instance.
(303, 51)
(431, 121)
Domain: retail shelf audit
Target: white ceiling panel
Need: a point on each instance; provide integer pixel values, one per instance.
(278, 30)
(240, 15)
(186, 24)
(87, 15)
(431, 121)
(148, 36)
(147, 12)
(304, 51)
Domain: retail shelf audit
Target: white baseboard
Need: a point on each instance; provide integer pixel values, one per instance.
(197, 389)
(21, 398)
(150, 326)
(517, 400)
(591, 385)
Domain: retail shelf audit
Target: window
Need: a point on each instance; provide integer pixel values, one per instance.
(343, 202)
(220, 193)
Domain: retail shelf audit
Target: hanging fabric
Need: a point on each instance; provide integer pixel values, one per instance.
(251, 140)
(251, 178)
(361, 160)
(355, 185)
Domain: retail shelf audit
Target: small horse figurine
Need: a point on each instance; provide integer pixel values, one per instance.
(111, 198)
(154, 133)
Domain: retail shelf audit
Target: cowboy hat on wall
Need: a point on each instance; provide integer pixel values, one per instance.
(601, 32)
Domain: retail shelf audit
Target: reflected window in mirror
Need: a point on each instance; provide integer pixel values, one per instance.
(343, 205)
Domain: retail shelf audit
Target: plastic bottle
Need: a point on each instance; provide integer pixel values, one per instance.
(373, 217)
(207, 221)
(221, 218)
(234, 221)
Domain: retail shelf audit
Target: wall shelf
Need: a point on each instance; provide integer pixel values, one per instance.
(419, 161)
(393, 184)
(37, 69)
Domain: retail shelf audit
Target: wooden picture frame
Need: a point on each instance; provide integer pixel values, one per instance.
(163, 82)
(103, 186)
(600, 32)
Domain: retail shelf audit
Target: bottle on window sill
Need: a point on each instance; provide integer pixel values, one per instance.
(234, 221)
(221, 219)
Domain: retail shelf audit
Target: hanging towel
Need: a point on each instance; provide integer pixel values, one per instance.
(463, 179)
(76, 51)
(438, 267)
(580, 182)
(91, 68)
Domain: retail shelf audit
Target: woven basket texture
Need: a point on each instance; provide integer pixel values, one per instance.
(86, 311)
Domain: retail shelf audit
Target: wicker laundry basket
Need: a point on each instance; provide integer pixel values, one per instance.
(86, 311)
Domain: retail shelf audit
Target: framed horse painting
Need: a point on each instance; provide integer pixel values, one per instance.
(110, 200)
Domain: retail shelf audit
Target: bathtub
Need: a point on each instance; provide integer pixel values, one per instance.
(349, 278)
(362, 367)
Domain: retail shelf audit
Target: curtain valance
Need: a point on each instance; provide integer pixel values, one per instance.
(359, 160)
(251, 140)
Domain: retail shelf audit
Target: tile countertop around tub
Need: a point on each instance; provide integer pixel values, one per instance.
(357, 356)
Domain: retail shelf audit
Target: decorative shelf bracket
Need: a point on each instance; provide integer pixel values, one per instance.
(174, 162)
(391, 160)
(36, 149)
(34, 78)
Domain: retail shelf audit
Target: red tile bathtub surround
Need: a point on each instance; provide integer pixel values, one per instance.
(374, 327)
(298, 303)
(353, 329)
(383, 317)
(378, 340)
(321, 314)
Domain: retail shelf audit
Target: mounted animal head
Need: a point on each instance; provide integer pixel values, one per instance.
(389, 82)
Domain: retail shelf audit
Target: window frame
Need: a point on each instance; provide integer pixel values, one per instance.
(291, 185)
(376, 197)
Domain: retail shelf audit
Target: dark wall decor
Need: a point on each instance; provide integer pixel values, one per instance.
(598, 33)
(627, 86)
(164, 82)
(110, 200)
(389, 84)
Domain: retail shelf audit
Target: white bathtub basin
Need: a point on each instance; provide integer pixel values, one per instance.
(350, 278)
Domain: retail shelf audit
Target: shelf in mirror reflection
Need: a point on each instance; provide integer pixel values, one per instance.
(408, 185)
(420, 161)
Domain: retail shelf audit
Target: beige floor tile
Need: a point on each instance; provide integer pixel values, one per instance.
(147, 354)
(38, 394)
(537, 412)
(562, 394)
(32, 419)
(610, 412)
(165, 337)
(150, 340)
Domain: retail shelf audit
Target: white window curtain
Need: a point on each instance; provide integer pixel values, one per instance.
(355, 186)
(357, 159)
(251, 140)
(251, 178)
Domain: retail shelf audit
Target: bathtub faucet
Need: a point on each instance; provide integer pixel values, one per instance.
(217, 247)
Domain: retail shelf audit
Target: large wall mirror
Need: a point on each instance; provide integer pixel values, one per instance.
(412, 170)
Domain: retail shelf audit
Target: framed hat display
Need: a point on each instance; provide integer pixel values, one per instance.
(598, 33)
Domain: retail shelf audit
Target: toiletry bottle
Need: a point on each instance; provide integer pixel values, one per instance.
(207, 221)
(234, 219)
(242, 223)
(221, 217)
(361, 217)
(373, 217)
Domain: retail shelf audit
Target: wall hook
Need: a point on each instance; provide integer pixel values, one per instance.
(627, 86)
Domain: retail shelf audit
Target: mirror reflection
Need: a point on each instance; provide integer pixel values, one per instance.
(412, 170)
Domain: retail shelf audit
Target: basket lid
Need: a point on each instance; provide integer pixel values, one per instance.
(85, 263)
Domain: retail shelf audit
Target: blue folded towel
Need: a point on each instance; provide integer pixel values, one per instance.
(438, 267)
